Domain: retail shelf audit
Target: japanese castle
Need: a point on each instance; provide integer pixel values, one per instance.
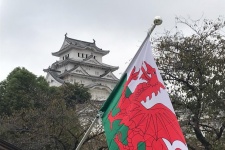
(81, 62)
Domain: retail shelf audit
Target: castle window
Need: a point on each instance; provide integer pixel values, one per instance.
(78, 54)
(94, 57)
(86, 55)
(82, 55)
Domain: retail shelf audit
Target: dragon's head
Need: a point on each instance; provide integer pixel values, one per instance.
(151, 86)
(149, 74)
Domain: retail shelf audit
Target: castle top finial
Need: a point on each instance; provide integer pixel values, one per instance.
(66, 35)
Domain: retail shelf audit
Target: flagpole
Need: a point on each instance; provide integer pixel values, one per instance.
(88, 131)
(157, 21)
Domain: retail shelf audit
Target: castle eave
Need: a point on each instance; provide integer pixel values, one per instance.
(77, 44)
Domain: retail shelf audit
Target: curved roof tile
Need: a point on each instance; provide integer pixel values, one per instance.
(73, 43)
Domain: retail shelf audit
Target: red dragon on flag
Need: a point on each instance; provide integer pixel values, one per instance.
(146, 124)
(138, 115)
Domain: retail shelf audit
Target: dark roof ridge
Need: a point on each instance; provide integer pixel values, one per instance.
(55, 76)
(105, 73)
(90, 76)
(79, 40)
(70, 43)
(52, 72)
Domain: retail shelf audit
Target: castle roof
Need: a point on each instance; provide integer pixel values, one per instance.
(53, 73)
(78, 44)
(88, 62)
(68, 73)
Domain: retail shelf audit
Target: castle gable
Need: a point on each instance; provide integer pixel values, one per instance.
(65, 44)
(109, 75)
(92, 61)
(79, 70)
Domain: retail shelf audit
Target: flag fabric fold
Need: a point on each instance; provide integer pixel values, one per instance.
(138, 114)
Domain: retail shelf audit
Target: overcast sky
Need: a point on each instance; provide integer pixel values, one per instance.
(30, 30)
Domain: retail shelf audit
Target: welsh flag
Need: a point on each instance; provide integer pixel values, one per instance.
(138, 114)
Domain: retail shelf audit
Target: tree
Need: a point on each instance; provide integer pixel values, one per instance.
(192, 66)
(74, 94)
(36, 116)
(22, 89)
(55, 127)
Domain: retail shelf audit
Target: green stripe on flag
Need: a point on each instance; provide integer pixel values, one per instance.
(113, 98)
(111, 105)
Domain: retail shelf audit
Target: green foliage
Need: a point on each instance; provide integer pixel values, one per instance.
(21, 89)
(74, 94)
(192, 66)
(35, 116)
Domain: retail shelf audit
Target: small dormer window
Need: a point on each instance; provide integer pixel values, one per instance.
(67, 56)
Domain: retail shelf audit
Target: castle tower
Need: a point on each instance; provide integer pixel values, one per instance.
(81, 62)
